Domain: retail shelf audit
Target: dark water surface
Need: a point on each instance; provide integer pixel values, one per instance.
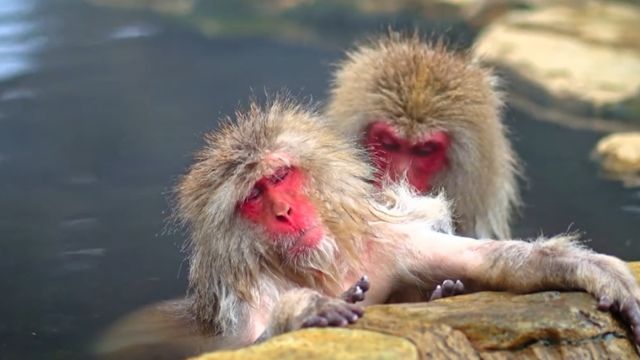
(99, 112)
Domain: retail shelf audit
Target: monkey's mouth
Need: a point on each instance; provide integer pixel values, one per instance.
(308, 239)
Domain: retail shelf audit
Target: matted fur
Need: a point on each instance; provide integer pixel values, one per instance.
(229, 263)
(421, 87)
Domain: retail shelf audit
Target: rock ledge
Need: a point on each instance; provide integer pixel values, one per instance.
(487, 325)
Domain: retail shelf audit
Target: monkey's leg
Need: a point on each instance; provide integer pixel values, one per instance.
(448, 288)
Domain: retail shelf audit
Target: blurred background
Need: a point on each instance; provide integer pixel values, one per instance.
(103, 102)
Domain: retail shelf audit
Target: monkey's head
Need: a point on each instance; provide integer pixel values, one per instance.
(271, 192)
(431, 117)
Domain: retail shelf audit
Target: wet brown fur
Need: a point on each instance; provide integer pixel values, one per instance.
(422, 87)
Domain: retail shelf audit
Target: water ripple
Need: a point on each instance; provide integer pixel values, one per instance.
(79, 223)
(85, 252)
(17, 41)
(632, 209)
(15, 7)
(133, 31)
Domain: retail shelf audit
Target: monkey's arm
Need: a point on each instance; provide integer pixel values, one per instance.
(558, 263)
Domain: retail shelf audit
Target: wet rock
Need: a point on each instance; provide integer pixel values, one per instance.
(313, 344)
(579, 58)
(619, 155)
(487, 325)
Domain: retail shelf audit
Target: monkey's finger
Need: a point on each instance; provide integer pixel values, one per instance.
(358, 310)
(459, 288)
(358, 294)
(315, 321)
(448, 287)
(436, 294)
(336, 319)
(347, 314)
(605, 303)
(363, 283)
(353, 295)
(630, 311)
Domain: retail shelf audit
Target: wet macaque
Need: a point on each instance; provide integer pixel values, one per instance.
(431, 118)
(285, 221)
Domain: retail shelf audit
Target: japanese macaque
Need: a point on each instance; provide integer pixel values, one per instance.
(430, 117)
(285, 220)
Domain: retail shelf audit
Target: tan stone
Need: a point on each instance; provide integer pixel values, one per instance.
(619, 155)
(576, 63)
(589, 52)
(318, 344)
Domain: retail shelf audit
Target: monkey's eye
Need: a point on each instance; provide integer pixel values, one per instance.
(254, 194)
(388, 143)
(425, 149)
(279, 175)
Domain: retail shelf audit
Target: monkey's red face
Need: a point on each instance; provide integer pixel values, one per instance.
(396, 157)
(279, 204)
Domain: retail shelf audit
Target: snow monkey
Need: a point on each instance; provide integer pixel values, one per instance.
(284, 218)
(432, 117)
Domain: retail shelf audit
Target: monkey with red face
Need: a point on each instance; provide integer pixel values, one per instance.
(431, 117)
(283, 219)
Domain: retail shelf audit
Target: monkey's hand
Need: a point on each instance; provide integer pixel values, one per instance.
(333, 312)
(328, 311)
(446, 289)
(356, 292)
(618, 291)
(303, 307)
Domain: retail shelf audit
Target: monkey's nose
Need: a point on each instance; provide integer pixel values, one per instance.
(282, 210)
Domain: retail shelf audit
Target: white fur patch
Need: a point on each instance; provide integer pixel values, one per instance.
(433, 213)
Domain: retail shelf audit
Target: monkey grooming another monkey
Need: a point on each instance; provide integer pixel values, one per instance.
(284, 218)
(433, 117)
